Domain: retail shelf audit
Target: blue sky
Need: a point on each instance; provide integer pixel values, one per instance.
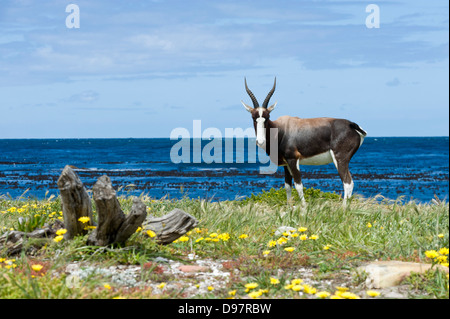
(142, 68)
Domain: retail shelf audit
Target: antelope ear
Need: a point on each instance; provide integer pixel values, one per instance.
(270, 108)
(247, 107)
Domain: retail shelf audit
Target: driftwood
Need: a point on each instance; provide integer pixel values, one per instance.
(15, 241)
(113, 226)
(75, 203)
(170, 226)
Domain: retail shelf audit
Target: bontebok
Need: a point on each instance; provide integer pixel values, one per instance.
(313, 141)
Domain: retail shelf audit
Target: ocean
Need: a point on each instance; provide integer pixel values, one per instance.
(416, 168)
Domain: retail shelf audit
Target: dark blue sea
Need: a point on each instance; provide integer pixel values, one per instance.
(416, 168)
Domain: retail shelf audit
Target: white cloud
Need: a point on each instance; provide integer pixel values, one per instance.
(84, 97)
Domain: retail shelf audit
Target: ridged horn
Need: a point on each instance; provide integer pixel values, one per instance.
(266, 101)
(254, 100)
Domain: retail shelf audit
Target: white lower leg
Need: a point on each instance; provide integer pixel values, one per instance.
(299, 188)
(288, 191)
(348, 190)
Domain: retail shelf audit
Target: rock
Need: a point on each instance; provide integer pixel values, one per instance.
(383, 274)
(280, 230)
(193, 268)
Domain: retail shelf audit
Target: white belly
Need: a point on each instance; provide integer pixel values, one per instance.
(319, 159)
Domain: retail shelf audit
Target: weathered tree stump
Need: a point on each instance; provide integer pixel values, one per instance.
(170, 226)
(75, 203)
(113, 226)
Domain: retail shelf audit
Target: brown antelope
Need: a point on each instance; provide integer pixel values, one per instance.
(313, 141)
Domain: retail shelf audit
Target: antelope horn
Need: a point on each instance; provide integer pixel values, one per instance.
(254, 100)
(266, 101)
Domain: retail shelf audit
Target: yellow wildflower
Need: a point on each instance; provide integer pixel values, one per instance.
(272, 243)
(224, 236)
(107, 286)
(161, 285)
(61, 231)
(441, 259)
(251, 285)
(303, 237)
(297, 287)
(255, 294)
(372, 293)
(441, 235)
(243, 236)
(266, 252)
(322, 294)
(84, 219)
(151, 233)
(183, 238)
(199, 239)
(326, 247)
(443, 251)
(213, 235)
(289, 249)
(431, 254)
(302, 229)
(58, 238)
(296, 281)
(37, 267)
(274, 281)
(314, 237)
(210, 288)
(349, 295)
(342, 289)
(309, 289)
(369, 225)
(232, 292)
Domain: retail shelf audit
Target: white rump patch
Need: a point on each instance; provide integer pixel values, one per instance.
(319, 159)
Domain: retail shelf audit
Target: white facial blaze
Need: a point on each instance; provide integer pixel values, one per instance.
(260, 129)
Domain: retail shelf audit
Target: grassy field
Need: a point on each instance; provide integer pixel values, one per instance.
(313, 256)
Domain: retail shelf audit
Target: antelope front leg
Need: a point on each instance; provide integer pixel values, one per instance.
(288, 184)
(294, 170)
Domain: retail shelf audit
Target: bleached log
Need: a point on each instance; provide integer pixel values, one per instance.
(170, 226)
(13, 242)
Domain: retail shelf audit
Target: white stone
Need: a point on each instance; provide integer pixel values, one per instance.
(383, 274)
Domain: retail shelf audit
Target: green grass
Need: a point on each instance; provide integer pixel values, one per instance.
(337, 240)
